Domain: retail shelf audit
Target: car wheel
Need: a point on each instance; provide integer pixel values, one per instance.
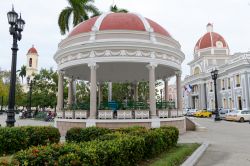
(201, 116)
(241, 119)
(210, 115)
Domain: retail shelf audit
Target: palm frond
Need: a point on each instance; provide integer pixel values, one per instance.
(63, 20)
(92, 9)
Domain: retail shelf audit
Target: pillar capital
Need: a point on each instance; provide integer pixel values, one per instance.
(152, 65)
(93, 65)
(167, 79)
(178, 73)
(61, 72)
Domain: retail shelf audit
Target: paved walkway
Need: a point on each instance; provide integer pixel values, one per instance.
(25, 122)
(229, 142)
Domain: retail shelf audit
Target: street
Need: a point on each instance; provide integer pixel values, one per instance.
(24, 122)
(229, 142)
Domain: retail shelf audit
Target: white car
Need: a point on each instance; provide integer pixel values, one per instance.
(191, 112)
(224, 112)
(239, 115)
(185, 110)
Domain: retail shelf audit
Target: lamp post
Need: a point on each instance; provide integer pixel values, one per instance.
(30, 84)
(16, 27)
(2, 104)
(214, 74)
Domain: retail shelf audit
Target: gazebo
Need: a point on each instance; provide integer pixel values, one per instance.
(117, 47)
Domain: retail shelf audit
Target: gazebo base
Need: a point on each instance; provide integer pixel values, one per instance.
(65, 124)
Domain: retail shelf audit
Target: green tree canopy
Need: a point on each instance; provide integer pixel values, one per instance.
(45, 86)
(22, 72)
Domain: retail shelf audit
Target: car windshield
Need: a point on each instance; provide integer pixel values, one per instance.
(224, 111)
(235, 112)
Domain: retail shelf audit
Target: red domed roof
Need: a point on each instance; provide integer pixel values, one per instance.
(118, 21)
(32, 50)
(211, 39)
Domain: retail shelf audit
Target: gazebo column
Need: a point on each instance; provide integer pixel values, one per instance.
(70, 92)
(166, 88)
(178, 91)
(74, 92)
(93, 88)
(109, 91)
(152, 100)
(60, 93)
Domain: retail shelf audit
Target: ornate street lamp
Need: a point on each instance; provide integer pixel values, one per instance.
(16, 27)
(214, 74)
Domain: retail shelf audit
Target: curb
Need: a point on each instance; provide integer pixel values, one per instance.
(194, 158)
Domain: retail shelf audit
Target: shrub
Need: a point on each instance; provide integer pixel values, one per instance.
(17, 138)
(124, 151)
(124, 147)
(156, 140)
(85, 134)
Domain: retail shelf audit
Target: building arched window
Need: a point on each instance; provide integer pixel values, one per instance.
(197, 70)
(30, 62)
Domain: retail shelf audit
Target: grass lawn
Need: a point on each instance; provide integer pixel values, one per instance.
(174, 157)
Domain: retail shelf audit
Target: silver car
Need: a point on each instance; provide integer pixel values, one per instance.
(191, 112)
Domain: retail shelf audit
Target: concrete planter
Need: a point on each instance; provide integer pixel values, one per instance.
(105, 114)
(141, 114)
(80, 114)
(124, 114)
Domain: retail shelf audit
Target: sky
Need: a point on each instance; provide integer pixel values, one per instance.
(185, 20)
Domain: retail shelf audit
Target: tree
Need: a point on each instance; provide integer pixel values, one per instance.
(79, 10)
(22, 72)
(4, 89)
(45, 88)
(115, 9)
(82, 92)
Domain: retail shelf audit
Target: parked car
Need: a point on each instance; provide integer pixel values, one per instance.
(203, 113)
(185, 110)
(191, 112)
(239, 115)
(224, 112)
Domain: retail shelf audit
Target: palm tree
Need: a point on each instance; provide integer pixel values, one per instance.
(115, 9)
(79, 10)
(22, 72)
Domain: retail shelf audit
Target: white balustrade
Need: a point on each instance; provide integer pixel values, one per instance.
(81, 114)
(141, 114)
(105, 114)
(163, 113)
(68, 114)
(124, 114)
(59, 114)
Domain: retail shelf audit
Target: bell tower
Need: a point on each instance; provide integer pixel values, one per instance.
(32, 62)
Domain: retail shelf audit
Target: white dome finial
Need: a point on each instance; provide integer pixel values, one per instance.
(209, 27)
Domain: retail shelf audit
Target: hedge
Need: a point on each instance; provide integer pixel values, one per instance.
(85, 134)
(16, 138)
(102, 147)
(124, 151)
(156, 140)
